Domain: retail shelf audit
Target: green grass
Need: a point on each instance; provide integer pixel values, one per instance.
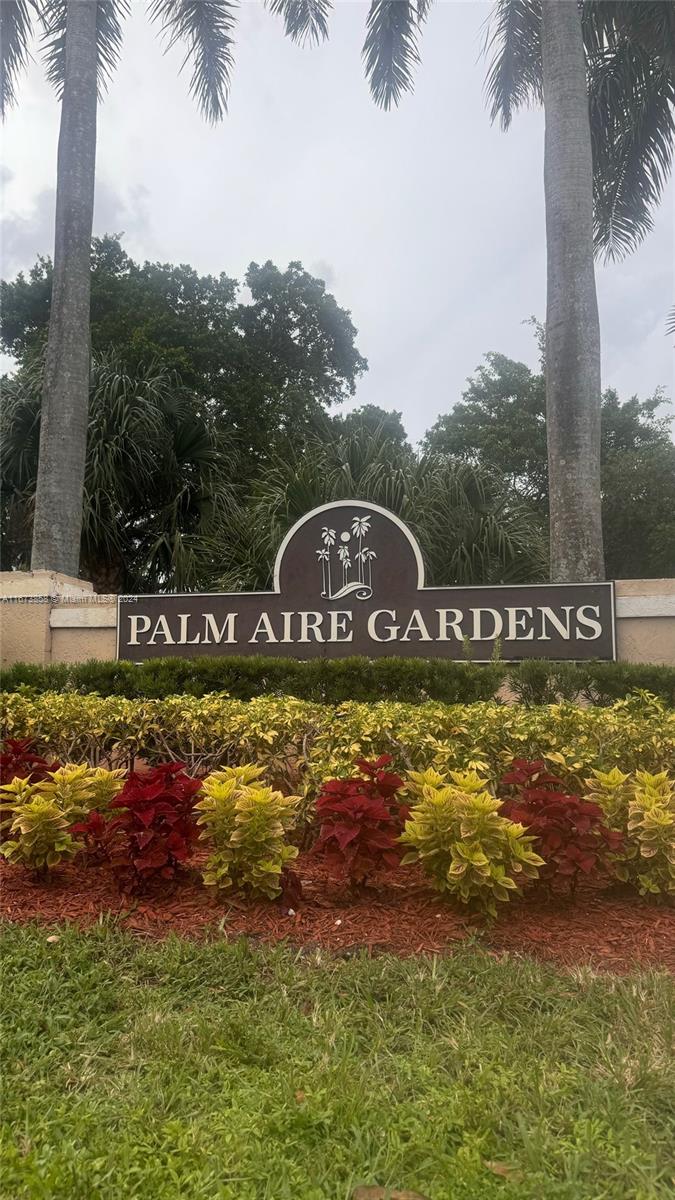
(180, 1071)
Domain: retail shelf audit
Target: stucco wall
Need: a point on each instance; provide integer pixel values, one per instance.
(51, 618)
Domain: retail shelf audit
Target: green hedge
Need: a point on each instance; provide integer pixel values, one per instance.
(362, 679)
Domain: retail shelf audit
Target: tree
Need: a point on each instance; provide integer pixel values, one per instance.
(470, 527)
(500, 425)
(614, 60)
(158, 481)
(266, 367)
(607, 82)
(372, 418)
(82, 39)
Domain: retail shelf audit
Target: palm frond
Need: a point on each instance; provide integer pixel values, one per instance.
(110, 15)
(205, 27)
(513, 42)
(670, 327)
(390, 51)
(649, 24)
(632, 107)
(305, 21)
(15, 34)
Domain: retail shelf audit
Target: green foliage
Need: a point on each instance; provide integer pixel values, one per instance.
(500, 424)
(470, 526)
(612, 791)
(39, 836)
(462, 843)
(140, 1068)
(245, 824)
(330, 682)
(267, 367)
(413, 681)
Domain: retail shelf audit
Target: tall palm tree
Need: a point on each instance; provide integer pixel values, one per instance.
(605, 70)
(81, 43)
(612, 60)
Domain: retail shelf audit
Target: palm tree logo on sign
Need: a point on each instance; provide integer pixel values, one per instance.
(352, 555)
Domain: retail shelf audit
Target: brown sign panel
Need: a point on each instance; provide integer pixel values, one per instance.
(349, 579)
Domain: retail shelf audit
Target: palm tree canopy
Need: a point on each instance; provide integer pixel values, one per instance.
(157, 483)
(204, 28)
(630, 57)
(630, 53)
(470, 527)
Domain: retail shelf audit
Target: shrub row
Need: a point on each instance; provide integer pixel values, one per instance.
(473, 844)
(335, 681)
(300, 743)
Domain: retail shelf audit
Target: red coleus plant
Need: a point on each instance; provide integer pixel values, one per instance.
(571, 834)
(19, 760)
(360, 820)
(155, 831)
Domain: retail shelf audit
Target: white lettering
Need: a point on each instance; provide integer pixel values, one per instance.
(478, 635)
(264, 626)
(182, 639)
(392, 629)
(547, 614)
(137, 628)
(338, 622)
(161, 627)
(518, 622)
(589, 622)
(310, 621)
(226, 634)
(416, 625)
(445, 624)
(287, 627)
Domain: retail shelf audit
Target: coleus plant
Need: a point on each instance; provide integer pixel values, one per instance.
(19, 760)
(155, 829)
(570, 832)
(360, 820)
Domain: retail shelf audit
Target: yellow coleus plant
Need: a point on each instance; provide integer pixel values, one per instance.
(463, 844)
(246, 826)
(39, 836)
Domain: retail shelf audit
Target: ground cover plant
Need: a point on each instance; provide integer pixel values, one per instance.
(185, 1070)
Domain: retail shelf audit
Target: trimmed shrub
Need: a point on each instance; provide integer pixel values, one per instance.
(411, 681)
(300, 743)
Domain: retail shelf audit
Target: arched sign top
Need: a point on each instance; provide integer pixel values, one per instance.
(350, 548)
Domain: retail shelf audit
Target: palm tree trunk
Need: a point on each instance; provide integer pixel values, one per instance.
(65, 400)
(572, 325)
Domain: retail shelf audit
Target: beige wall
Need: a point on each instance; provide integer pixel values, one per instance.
(51, 618)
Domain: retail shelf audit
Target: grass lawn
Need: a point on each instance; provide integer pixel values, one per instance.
(184, 1071)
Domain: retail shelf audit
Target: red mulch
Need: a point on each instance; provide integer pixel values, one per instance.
(608, 930)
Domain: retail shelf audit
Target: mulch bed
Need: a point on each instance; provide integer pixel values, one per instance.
(608, 930)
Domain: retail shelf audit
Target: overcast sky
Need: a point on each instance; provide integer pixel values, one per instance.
(425, 222)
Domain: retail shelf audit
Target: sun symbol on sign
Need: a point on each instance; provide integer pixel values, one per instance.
(345, 535)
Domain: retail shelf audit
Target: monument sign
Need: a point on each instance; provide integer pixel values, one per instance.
(349, 579)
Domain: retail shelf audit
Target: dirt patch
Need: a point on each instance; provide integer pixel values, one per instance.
(609, 930)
